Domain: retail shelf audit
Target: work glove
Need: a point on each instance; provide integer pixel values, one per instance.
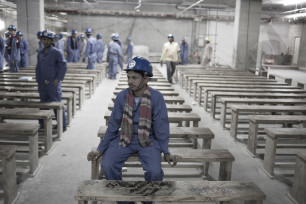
(172, 158)
(94, 155)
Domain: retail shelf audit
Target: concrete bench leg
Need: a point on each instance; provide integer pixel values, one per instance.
(270, 154)
(33, 153)
(9, 179)
(60, 122)
(298, 190)
(225, 173)
(48, 142)
(252, 139)
(234, 124)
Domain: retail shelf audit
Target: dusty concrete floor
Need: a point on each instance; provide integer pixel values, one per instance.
(66, 165)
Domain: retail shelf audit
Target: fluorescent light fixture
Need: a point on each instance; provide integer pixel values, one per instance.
(296, 16)
(292, 2)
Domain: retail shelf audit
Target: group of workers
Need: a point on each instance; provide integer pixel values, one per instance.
(14, 50)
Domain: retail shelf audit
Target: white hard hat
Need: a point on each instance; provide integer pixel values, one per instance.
(207, 39)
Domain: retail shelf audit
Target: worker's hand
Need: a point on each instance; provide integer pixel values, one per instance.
(161, 63)
(55, 82)
(21, 53)
(83, 60)
(94, 155)
(172, 158)
(12, 62)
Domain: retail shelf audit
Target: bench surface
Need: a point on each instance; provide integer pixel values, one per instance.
(286, 132)
(18, 128)
(173, 191)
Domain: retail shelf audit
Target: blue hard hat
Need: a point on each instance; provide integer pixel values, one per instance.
(47, 34)
(129, 38)
(99, 35)
(39, 33)
(61, 35)
(74, 32)
(170, 36)
(57, 36)
(140, 64)
(19, 33)
(88, 30)
(82, 36)
(183, 39)
(12, 27)
(116, 37)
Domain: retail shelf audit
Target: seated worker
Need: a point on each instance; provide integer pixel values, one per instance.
(138, 124)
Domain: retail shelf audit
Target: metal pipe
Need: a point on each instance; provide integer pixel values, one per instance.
(192, 5)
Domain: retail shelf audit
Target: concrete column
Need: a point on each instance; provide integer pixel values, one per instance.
(246, 28)
(302, 50)
(30, 20)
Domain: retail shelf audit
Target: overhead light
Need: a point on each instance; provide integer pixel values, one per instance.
(63, 13)
(137, 8)
(292, 2)
(2, 26)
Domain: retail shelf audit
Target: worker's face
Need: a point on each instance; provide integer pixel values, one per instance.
(134, 79)
(170, 39)
(12, 32)
(47, 41)
(73, 35)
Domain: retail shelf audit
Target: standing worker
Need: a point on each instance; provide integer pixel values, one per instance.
(100, 48)
(13, 49)
(24, 49)
(129, 50)
(207, 53)
(114, 56)
(72, 48)
(50, 71)
(81, 45)
(184, 48)
(138, 124)
(170, 55)
(91, 50)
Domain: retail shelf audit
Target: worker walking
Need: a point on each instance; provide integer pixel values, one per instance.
(114, 55)
(184, 49)
(90, 52)
(72, 48)
(206, 61)
(170, 55)
(129, 50)
(24, 49)
(100, 48)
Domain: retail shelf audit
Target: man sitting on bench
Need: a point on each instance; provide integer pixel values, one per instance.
(141, 113)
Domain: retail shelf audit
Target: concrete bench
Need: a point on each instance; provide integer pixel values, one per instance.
(287, 79)
(160, 88)
(79, 86)
(43, 105)
(9, 182)
(301, 84)
(183, 132)
(26, 132)
(163, 92)
(297, 193)
(45, 115)
(216, 95)
(168, 191)
(195, 157)
(208, 90)
(167, 99)
(255, 120)
(273, 135)
(255, 101)
(27, 96)
(173, 117)
(170, 108)
(240, 109)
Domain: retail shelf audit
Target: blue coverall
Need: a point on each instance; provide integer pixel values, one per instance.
(184, 48)
(114, 56)
(6, 56)
(72, 50)
(14, 54)
(1, 53)
(119, 60)
(115, 155)
(129, 52)
(100, 50)
(51, 66)
(24, 48)
(91, 52)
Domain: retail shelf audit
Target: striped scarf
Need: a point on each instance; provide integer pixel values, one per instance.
(145, 120)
